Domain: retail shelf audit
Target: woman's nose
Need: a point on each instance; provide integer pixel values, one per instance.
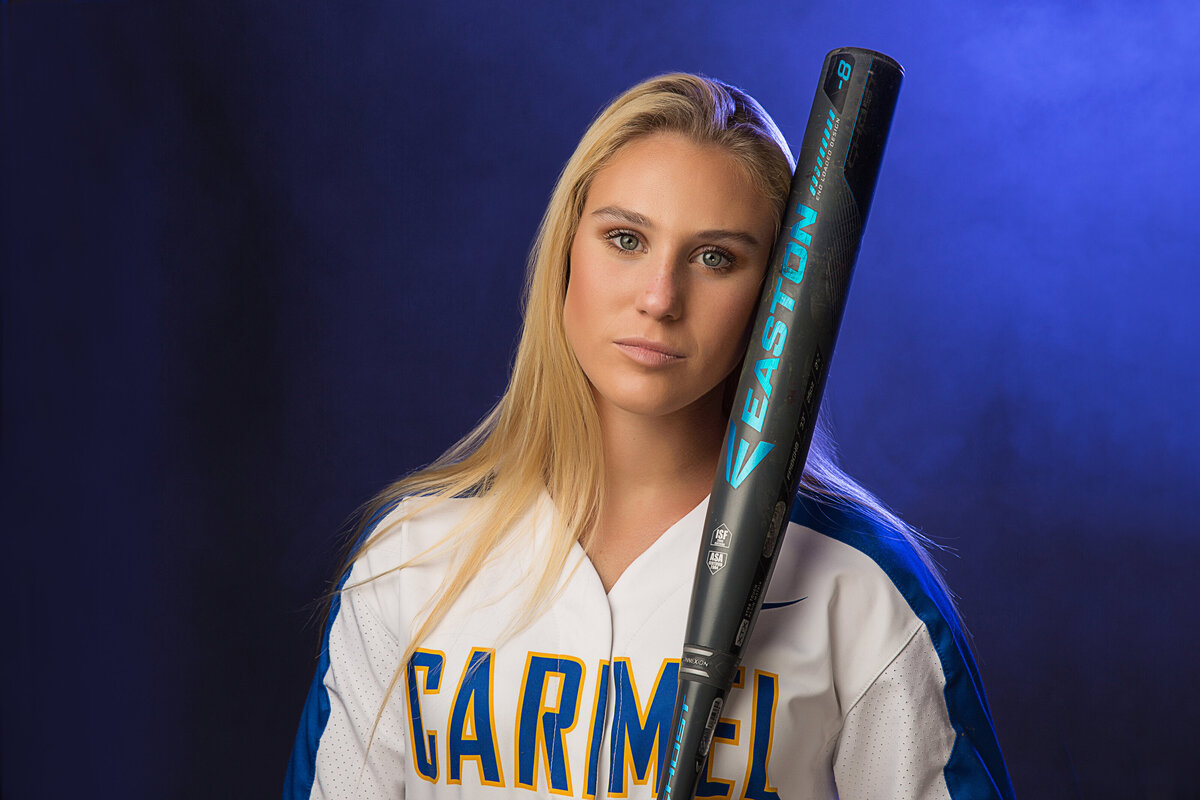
(662, 291)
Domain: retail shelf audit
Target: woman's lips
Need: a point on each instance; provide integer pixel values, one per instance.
(648, 353)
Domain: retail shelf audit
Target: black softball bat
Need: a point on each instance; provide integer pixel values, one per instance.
(779, 393)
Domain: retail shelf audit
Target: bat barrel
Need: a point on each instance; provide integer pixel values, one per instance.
(779, 391)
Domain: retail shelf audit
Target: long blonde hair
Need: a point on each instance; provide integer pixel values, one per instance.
(544, 433)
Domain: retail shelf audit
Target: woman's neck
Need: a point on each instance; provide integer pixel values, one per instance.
(657, 469)
(660, 456)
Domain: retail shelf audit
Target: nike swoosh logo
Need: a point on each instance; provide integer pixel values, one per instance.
(781, 605)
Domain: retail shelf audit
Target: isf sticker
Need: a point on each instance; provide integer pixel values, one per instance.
(722, 536)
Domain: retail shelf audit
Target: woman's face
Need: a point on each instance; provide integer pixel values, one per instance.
(666, 268)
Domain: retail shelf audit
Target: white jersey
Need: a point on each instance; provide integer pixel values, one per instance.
(856, 683)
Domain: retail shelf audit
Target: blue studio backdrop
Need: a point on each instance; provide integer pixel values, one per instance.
(259, 259)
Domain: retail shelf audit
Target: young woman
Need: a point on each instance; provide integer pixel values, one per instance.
(512, 617)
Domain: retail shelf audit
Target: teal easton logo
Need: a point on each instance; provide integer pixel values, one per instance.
(742, 455)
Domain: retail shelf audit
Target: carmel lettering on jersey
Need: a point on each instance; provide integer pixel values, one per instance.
(472, 728)
(766, 695)
(551, 703)
(548, 710)
(640, 738)
(424, 671)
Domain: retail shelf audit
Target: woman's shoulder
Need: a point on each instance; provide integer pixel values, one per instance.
(868, 549)
(405, 529)
(882, 591)
(867, 582)
(887, 582)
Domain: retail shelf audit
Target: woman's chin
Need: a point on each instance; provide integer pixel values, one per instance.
(663, 407)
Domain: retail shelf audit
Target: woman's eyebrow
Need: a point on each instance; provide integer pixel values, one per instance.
(634, 218)
(624, 215)
(738, 236)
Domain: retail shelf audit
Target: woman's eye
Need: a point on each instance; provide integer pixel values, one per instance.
(627, 241)
(715, 260)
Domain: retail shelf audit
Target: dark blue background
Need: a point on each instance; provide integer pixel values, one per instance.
(261, 258)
